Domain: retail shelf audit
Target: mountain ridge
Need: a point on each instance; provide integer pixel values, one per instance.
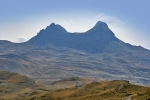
(93, 40)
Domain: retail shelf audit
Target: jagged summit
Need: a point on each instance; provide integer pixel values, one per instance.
(52, 25)
(101, 23)
(52, 28)
(94, 40)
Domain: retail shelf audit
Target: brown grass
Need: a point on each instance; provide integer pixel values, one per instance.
(112, 90)
(17, 87)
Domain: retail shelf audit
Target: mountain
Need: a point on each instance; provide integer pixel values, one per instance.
(93, 41)
(54, 54)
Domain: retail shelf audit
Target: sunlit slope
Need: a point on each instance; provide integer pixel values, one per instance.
(112, 90)
(13, 85)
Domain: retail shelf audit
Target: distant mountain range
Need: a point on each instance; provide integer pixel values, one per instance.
(54, 54)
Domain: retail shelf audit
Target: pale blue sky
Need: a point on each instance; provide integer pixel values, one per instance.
(128, 19)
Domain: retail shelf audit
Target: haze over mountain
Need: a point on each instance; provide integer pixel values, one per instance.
(54, 54)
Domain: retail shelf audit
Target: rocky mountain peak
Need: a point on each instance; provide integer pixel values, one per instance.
(94, 40)
(101, 23)
(52, 24)
(101, 26)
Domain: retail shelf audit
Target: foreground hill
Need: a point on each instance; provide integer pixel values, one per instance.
(13, 85)
(112, 90)
(54, 54)
(17, 87)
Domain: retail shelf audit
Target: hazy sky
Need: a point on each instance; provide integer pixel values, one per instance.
(128, 19)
